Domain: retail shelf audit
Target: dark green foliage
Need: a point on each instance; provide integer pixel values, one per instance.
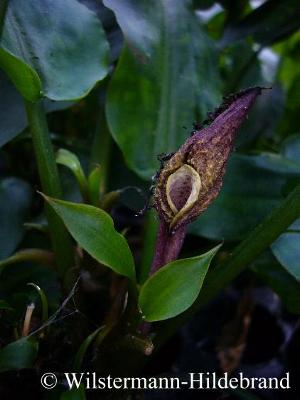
(103, 88)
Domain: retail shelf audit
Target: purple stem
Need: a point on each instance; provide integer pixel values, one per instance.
(168, 245)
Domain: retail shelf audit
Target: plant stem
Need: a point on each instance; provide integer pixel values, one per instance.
(50, 184)
(245, 253)
(150, 233)
(168, 245)
(101, 150)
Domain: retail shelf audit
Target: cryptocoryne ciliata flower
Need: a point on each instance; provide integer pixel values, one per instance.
(192, 178)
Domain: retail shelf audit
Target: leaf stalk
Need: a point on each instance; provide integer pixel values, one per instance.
(246, 252)
(50, 184)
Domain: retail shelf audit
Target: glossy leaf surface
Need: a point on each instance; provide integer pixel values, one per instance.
(18, 355)
(53, 47)
(15, 200)
(93, 229)
(166, 77)
(174, 288)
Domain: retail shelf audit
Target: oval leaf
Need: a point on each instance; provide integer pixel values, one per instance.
(94, 230)
(287, 250)
(18, 355)
(282, 282)
(291, 148)
(61, 41)
(167, 74)
(15, 201)
(12, 111)
(175, 287)
(253, 186)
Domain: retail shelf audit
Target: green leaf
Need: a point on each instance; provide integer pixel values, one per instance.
(12, 111)
(253, 186)
(74, 394)
(287, 251)
(269, 23)
(83, 348)
(13, 118)
(286, 248)
(175, 287)
(4, 305)
(44, 301)
(38, 256)
(13, 287)
(289, 75)
(264, 118)
(15, 200)
(94, 230)
(71, 161)
(291, 148)
(241, 68)
(282, 282)
(94, 181)
(289, 122)
(166, 77)
(288, 70)
(25, 79)
(55, 47)
(18, 355)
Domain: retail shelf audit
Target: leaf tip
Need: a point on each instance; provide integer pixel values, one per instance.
(45, 197)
